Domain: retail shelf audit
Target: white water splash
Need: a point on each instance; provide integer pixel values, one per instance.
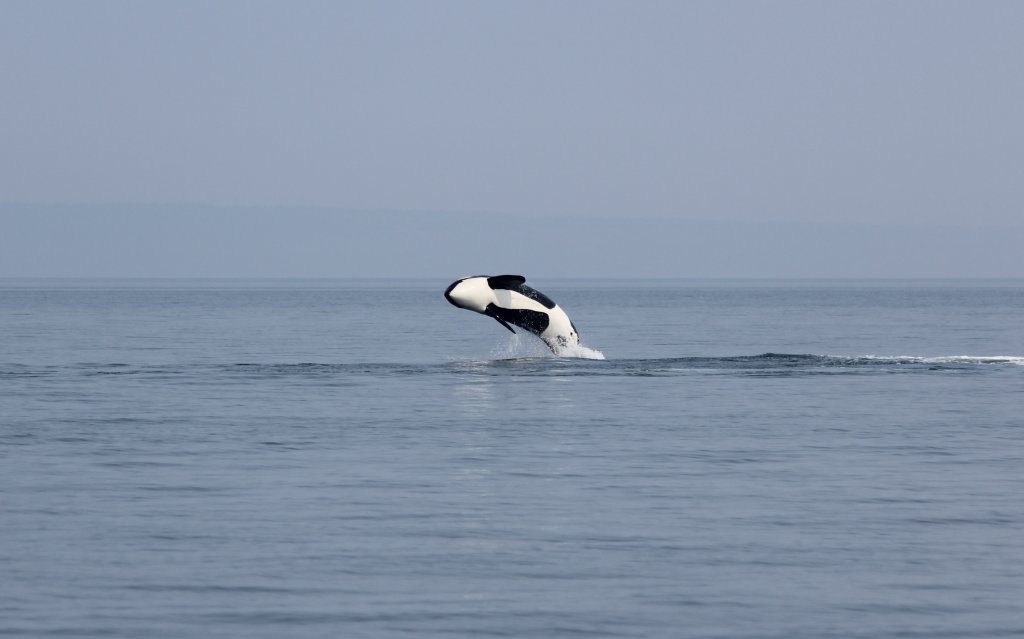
(580, 351)
(517, 346)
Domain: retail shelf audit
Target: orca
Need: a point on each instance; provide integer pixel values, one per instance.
(509, 300)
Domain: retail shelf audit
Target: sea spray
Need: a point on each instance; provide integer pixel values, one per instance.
(520, 345)
(580, 351)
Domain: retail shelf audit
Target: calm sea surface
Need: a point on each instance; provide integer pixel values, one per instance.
(360, 459)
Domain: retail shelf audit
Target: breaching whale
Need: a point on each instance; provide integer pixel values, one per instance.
(509, 300)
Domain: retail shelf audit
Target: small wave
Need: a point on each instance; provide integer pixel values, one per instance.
(763, 365)
(520, 357)
(786, 365)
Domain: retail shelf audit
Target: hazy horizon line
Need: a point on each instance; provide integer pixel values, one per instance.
(554, 278)
(185, 208)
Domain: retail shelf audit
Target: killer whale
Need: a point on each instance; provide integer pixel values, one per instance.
(510, 301)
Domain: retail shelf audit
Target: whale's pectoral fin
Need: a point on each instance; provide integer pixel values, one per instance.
(492, 312)
(505, 281)
(503, 323)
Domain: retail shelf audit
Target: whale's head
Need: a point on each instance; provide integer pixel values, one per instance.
(470, 293)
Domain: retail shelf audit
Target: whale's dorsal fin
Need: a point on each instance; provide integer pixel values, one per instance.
(505, 281)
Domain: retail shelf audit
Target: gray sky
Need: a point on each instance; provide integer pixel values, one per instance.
(888, 117)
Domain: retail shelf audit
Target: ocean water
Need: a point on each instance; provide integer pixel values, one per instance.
(360, 459)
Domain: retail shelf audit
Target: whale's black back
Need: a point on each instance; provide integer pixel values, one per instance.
(517, 283)
(533, 294)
